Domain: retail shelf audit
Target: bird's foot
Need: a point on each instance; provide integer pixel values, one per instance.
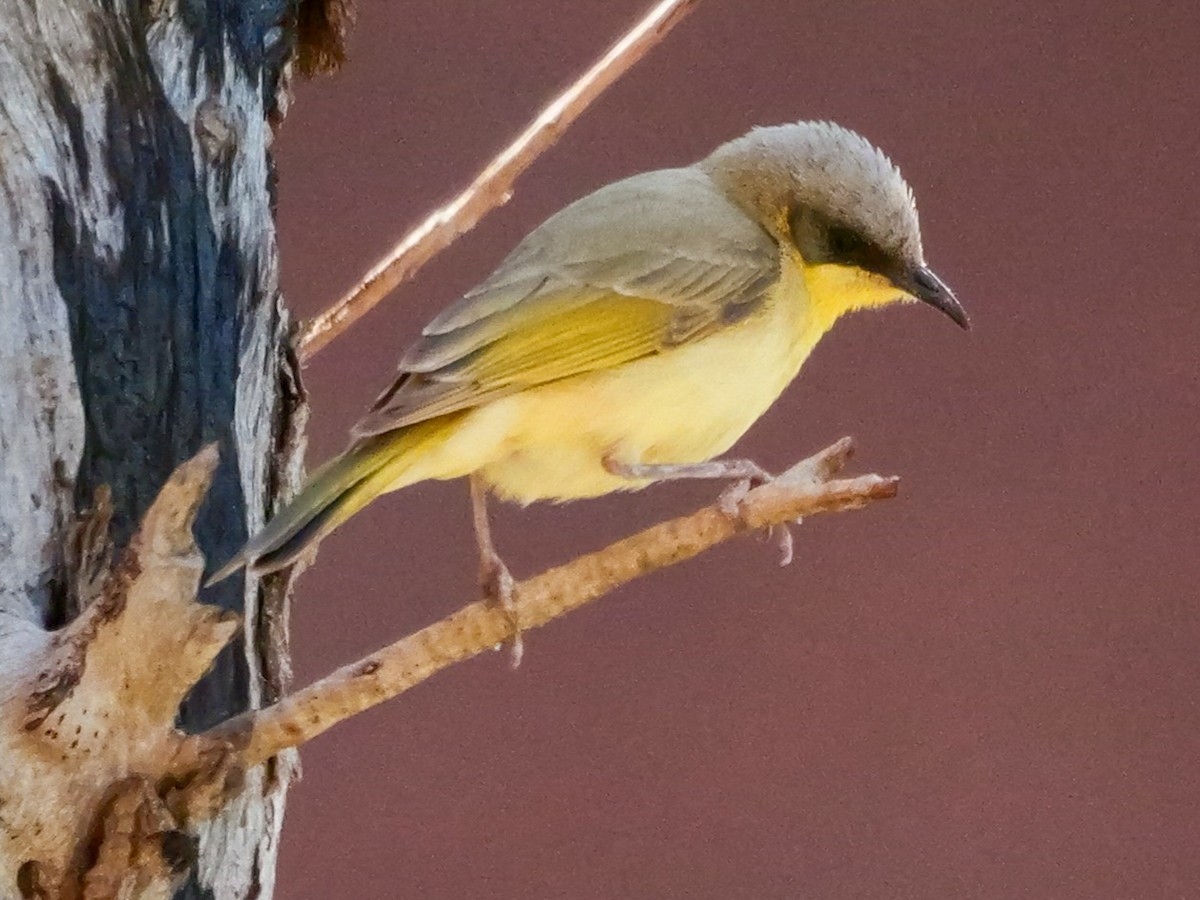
(499, 590)
(730, 503)
(744, 474)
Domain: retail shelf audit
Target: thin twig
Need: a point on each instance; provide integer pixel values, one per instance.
(493, 186)
(804, 490)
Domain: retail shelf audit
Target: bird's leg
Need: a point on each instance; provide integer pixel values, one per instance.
(495, 580)
(745, 474)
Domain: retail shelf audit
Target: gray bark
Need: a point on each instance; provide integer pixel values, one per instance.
(140, 318)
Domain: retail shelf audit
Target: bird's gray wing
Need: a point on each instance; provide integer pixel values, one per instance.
(640, 265)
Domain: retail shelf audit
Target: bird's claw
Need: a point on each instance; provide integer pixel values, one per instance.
(782, 535)
(730, 500)
(499, 590)
(730, 503)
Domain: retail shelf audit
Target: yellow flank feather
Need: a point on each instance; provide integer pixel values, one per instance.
(597, 335)
(684, 404)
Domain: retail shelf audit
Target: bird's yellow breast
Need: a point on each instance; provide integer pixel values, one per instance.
(686, 404)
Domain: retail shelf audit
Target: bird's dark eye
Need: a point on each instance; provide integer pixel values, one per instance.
(844, 242)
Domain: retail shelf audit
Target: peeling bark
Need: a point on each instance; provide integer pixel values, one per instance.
(142, 320)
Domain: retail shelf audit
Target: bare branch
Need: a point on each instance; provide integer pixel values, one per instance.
(493, 186)
(806, 489)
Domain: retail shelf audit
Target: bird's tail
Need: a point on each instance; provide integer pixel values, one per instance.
(332, 494)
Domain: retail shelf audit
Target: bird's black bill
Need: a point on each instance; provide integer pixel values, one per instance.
(928, 288)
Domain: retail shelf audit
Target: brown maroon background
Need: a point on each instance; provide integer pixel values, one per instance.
(987, 688)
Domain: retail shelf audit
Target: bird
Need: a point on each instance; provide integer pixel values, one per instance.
(631, 338)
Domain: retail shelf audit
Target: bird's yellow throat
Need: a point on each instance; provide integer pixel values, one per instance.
(834, 290)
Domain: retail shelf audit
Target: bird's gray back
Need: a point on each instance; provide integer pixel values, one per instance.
(616, 239)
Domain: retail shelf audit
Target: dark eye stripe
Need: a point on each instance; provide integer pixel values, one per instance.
(845, 242)
(820, 238)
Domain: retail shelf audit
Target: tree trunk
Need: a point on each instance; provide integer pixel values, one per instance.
(141, 319)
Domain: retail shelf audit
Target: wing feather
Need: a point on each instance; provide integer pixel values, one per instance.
(635, 268)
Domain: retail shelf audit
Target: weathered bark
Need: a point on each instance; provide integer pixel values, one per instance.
(141, 320)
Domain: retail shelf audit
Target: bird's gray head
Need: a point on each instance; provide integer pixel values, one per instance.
(837, 198)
